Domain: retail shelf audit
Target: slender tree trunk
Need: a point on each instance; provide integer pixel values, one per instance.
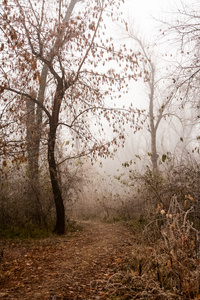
(33, 127)
(154, 155)
(153, 128)
(34, 209)
(56, 188)
(38, 117)
(152, 123)
(60, 209)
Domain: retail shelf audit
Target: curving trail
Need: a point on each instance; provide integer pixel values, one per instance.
(89, 264)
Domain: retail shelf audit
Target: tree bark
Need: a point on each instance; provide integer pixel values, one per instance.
(60, 209)
(34, 209)
(59, 204)
(153, 128)
(40, 99)
(33, 127)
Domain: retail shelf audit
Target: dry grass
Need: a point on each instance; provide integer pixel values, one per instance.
(170, 267)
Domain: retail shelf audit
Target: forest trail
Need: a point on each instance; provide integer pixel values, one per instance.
(89, 264)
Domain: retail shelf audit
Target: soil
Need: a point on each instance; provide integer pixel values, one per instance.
(92, 263)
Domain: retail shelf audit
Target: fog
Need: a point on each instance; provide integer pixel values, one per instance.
(165, 110)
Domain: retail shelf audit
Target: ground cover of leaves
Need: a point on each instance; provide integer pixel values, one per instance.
(99, 262)
(82, 265)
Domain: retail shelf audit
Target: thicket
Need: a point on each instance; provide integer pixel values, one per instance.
(27, 207)
(167, 258)
(148, 192)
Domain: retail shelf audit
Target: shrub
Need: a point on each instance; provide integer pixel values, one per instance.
(175, 263)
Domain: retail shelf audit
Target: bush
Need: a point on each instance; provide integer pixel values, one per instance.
(25, 207)
(181, 247)
(175, 263)
(159, 188)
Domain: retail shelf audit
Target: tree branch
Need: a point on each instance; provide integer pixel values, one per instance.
(30, 97)
(90, 46)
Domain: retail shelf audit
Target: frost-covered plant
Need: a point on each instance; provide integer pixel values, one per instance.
(181, 245)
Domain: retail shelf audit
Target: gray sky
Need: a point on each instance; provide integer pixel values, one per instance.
(143, 11)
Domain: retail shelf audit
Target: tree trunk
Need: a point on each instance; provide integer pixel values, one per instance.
(60, 209)
(33, 137)
(154, 155)
(31, 132)
(38, 116)
(33, 204)
(153, 128)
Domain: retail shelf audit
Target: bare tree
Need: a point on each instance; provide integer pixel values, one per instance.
(157, 109)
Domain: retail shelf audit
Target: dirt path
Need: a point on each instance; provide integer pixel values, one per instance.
(84, 265)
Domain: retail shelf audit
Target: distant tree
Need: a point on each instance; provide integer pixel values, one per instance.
(157, 107)
(57, 61)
